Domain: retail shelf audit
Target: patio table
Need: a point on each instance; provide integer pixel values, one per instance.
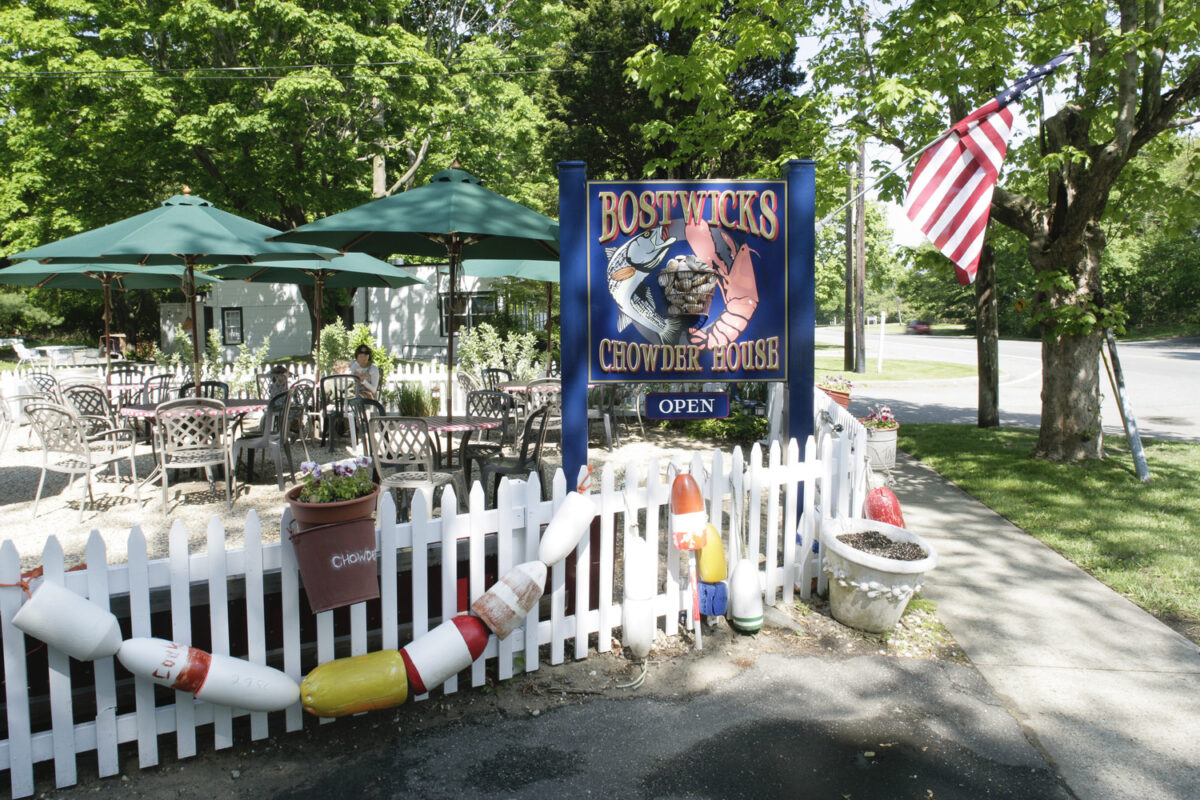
(457, 424)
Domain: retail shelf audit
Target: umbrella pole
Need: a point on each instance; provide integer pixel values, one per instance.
(189, 288)
(319, 301)
(549, 308)
(454, 254)
(107, 313)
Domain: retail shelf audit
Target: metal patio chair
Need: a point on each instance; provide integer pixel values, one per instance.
(192, 433)
(493, 377)
(402, 452)
(336, 391)
(68, 449)
(271, 434)
(529, 454)
(361, 410)
(494, 405)
(213, 390)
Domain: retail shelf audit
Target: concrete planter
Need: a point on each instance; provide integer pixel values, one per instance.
(881, 447)
(866, 591)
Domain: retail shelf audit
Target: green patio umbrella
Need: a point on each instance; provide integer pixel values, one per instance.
(98, 276)
(528, 268)
(451, 216)
(185, 230)
(350, 271)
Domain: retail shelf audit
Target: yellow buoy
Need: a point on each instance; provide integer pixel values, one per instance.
(360, 683)
(712, 557)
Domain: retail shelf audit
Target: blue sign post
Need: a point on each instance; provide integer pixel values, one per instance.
(685, 281)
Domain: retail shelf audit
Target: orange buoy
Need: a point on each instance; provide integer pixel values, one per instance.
(445, 651)
(360, 683)
(688, 519)
(511, 598)
(210, 677)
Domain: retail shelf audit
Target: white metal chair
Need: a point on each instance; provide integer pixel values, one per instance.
(403, 444)
(192, 432)
(68, 449)
(27, 356)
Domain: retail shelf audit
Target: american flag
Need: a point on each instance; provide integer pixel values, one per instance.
(950, 194)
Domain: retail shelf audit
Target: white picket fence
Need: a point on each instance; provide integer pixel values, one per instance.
(89, 709)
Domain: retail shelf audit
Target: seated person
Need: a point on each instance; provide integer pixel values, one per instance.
(366, 372)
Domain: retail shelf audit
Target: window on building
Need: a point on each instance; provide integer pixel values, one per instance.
(472, 308)
(231, 326)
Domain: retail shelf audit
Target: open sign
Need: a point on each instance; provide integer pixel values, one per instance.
(687, 405)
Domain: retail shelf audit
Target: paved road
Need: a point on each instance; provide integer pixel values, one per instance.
(1162, 379)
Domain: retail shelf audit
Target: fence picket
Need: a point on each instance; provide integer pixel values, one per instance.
(62, 722)
(256, 627)
(609, 505)
(535, 516)
(449, 569)
(139, 623)
(103, 670)
(583, 578)
(179, 564)
(425, 532)
(504, 562)
(475, 561)
(771, 540)
(558, 585)
(289, 588)
(792, 468)
(388, 589)
(16, 685)
(218, 620)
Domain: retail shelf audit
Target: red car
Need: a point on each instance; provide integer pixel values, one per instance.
(918, 327)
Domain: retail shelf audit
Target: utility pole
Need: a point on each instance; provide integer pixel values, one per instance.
(860, 282)
(848, 307)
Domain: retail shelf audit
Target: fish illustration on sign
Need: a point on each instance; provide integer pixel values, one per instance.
(628, 267)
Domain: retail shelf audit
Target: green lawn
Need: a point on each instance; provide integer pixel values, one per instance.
(1143, 540)
(893, 369)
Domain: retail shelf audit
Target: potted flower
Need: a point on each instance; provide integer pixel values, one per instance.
(836, 387)
(882, 429)
(333, 532)
(874, 569)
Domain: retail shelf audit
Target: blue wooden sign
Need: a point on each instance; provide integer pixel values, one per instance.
(687, 405)
(687, 280)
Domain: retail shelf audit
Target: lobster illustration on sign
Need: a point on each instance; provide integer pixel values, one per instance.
(735, 278)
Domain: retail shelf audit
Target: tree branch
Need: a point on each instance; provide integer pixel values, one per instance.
(1016, 211)
(412, 170)
(1183, 123)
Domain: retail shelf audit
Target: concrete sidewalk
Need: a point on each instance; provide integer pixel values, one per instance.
(1108, 693)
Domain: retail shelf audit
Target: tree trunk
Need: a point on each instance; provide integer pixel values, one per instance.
(987, 335)
(1071, 339)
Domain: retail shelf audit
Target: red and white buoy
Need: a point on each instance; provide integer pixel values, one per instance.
(70, 623)
(506, 604)
(568, 525)
(443, 652)
(689, 533)
(210, 677)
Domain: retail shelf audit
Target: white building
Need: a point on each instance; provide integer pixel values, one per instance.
(406, 321)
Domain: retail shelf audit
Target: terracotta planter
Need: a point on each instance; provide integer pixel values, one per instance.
(881, 447)
(335, 549)
(841, 398)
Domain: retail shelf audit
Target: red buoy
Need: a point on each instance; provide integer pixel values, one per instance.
(688, 519)
(882, 505)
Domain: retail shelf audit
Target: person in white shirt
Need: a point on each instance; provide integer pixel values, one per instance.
(366, 372)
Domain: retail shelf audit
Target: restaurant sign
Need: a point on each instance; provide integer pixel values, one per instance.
(687, 281)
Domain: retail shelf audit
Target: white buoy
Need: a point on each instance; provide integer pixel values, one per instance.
(211, 677)
(70, 623)
(443, 652)
(511, 598)
(638, 619)
(745, 598)
(566, 528)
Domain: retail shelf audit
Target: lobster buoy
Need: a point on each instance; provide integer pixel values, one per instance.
(714, 598)
(712, 557)
(882, 505)
(214, 678)
(511, 598)
(566, 528)
(360, 683)
(745, 598)
(443, 652)
(688, 520)
(70, 623)
(638, 619)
